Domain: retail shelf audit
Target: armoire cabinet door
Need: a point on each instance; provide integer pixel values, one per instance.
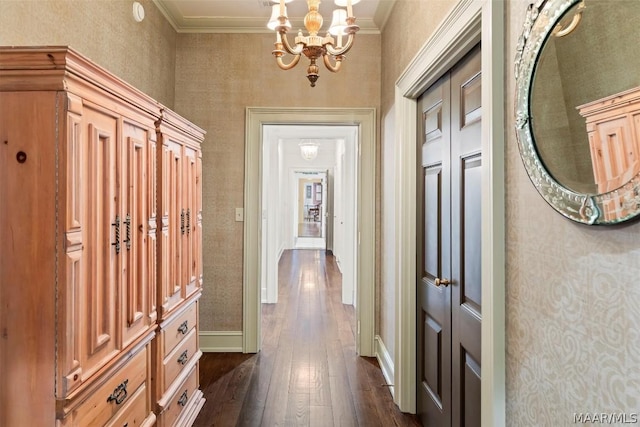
(190, 238)
(136, 215)
(173, 226)
(97, 300)
(198, 240)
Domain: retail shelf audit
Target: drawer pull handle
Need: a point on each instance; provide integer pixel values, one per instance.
(119, 393)
(183, 357)
(183, 399)
(182, 221)
(183, 327)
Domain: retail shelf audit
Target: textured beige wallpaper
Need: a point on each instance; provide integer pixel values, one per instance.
(409, 26)
(142, 54)
(217, 77)
(573, 292)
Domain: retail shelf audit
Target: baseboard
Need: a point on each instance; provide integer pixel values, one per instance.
(385, 361)
(221, 341)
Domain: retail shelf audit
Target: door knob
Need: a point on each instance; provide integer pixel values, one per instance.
(442, 282)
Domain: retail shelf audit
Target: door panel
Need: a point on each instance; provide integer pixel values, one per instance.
(191, 219)
(98, 296)
(466, 176)
(448, 248)
(433, 259)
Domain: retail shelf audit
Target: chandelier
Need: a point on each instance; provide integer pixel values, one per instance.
(308, 150)
(314, 46)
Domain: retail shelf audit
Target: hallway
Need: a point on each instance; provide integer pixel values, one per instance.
(307, 373)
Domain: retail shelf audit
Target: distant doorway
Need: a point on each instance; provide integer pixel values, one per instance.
(310, 219)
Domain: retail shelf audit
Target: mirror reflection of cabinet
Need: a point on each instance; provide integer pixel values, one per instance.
(575, 61)
(613, 138)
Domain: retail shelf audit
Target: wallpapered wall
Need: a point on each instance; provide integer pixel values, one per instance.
(217, 77)
(572, 291)
(572, 298)
(142, 54)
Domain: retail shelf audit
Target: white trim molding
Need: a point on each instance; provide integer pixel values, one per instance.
(467, 24)
(221, 341)
(386, 363)
(365, 119)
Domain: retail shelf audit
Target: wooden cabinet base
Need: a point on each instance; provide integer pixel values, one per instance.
(182, 404)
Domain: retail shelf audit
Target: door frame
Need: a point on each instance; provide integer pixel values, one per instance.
(365, 119)
(469, 22)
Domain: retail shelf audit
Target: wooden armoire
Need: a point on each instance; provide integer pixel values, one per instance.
(100, 252)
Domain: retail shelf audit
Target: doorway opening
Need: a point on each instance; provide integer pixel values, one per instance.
(309, 204)
(310, 225)
(259, 157)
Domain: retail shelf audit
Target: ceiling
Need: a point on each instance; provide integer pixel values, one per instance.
(251, 16)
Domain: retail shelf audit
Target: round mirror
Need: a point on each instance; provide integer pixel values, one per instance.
(578, 106)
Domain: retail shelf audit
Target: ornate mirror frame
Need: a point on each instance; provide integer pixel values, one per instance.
(542, 16)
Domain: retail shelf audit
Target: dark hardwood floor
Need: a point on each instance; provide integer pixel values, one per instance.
(308, 373)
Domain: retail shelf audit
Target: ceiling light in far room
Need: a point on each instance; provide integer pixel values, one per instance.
(332, 51)
(308, 149)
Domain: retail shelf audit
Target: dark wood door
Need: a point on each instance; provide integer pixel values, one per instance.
(448, 248)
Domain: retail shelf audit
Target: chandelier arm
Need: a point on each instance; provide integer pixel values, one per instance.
(290, 65)
(344, 49)
(327, 62)
(287, 46)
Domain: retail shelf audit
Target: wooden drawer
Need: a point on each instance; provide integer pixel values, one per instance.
(178, 328)
(118, 392)
(176, 361)
(136, 412)
(180, 399)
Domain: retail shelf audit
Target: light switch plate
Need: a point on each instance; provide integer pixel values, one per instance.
(239, 214)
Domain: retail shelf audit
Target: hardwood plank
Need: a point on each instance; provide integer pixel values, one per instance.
(321, 416)
(308, 372)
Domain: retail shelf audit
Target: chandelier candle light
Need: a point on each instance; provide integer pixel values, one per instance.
(314, 46)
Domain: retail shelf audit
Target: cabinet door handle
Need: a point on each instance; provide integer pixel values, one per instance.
(183, 399)
(182, 221)
(183, 357)
(183, 327)
(119, 393)
(116, 224)
(188, 221)
(127, 222)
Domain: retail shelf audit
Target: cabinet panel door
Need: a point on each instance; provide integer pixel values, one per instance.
(72, 277)
(173, 227)
(97, 324)
(136, 213)
(190, 238)
(152, 239)
(198, 239)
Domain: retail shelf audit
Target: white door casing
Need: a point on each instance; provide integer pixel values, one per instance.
(365, 119)
(469, 22)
